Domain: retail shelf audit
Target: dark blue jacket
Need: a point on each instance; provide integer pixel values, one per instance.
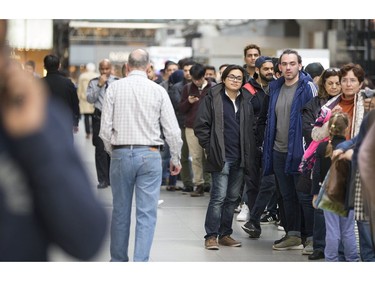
(306, 90)
(46, 196)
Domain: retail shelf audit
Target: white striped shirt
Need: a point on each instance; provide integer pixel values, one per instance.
(134, 110)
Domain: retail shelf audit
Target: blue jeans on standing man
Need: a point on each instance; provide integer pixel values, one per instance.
(225, 190)
(134, 169)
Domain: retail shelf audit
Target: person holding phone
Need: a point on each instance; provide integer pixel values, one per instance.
(192, 94)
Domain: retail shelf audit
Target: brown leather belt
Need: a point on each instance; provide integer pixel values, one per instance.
(135, 146)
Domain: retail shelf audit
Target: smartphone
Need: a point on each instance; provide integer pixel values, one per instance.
(194, 95)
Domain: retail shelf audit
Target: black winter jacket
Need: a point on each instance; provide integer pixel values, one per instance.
(209, 129)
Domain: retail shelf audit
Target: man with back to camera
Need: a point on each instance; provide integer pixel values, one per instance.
(133, 139)
(62, 88)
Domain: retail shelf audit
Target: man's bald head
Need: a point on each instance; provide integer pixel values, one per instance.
(138, 59)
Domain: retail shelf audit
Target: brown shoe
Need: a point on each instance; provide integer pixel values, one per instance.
(211, 243)
(229, 241)
(198, 192)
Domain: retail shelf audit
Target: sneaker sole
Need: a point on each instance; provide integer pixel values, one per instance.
(196, 195)
(268, 222)
(212, 248)
(299, 247)
(242, 219)
(307, 252)
(252, 234)
(234, 245)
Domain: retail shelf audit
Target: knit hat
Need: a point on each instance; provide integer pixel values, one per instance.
(176, 76)
(262, 59)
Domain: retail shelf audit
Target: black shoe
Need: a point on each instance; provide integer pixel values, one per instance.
(198, 192)
(102, 185)
(317, 255)
(187, 189)
(252, 230)
(207, 187)
(268, 219)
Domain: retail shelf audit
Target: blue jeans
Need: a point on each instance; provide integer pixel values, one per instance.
(138, 170)
(225, 190)
(287, 186)
(365, 243)
(340, 230)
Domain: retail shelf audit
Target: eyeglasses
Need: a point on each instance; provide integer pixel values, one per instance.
(351, 80)
(235, 78)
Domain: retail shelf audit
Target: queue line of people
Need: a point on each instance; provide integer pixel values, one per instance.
(247, 133)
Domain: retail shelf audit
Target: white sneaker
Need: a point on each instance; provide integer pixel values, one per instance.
(280, 228)
(244, 215)
(160, 202)
(238, 208)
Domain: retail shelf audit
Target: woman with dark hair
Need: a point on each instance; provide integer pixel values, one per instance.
(328, 86)
(224, 128)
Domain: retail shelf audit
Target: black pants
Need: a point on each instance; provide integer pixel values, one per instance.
(102, 159)
(88, 122)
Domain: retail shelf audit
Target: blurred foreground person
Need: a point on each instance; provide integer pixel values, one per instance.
(45, 195)
(366, 162)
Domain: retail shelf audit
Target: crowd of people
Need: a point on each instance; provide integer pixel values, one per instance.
(258, 139)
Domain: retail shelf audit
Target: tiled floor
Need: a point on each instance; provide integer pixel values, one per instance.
(180, 228)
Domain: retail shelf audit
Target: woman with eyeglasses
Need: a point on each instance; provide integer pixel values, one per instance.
(352, 102)
(328, 87)
(224, 128)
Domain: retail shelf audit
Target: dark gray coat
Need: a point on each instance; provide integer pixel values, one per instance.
(209, 129)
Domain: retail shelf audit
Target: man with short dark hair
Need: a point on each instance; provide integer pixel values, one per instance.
(62, 88)
(251, 53)
(192, 95)
(175, 94)
(284, 147)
